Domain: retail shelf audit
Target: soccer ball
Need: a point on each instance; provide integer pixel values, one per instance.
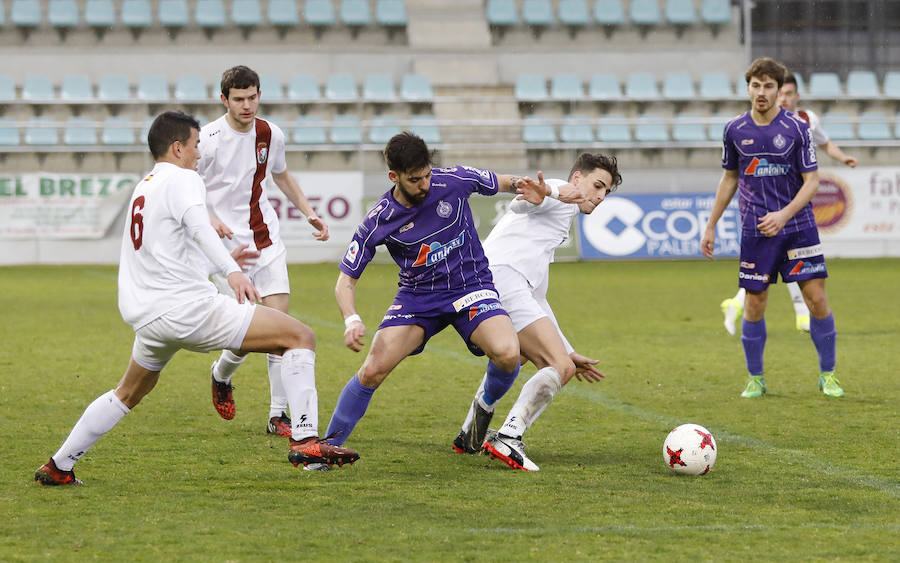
(690, 449)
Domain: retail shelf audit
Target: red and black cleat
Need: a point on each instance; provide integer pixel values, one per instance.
(49, 474)
(315, 450)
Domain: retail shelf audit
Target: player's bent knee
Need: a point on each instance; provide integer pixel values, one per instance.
(371, 375)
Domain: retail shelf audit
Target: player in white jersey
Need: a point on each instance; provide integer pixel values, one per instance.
(788, 98)
(520, 249)
(166, 296)
(240, 153)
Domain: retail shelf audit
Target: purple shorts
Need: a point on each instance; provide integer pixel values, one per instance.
(465, 311)
(796, 256)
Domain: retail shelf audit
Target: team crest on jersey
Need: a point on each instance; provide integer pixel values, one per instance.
(431, 254)
(779, 141)
(761, 167)
(262, 152)
(444, 209)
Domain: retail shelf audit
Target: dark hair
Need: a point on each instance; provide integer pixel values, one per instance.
(588, 162)
(766, 66)
(789, 78)
(168, 127)
(239, 77)
(406, 152)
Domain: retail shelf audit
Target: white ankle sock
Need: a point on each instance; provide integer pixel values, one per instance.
(226, 365)
(279, 402)
(98, 419)
(536, 395)
(298, 375)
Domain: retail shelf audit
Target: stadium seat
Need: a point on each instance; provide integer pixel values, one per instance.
(716, 128)
(7, 89)
(862, 84)
(62, 14)
(416, 88)
(645, 13)
(341, 88)
(390, 13)
(117, 131)
(839, 126)
(537, 13)
(573, 13)
(303, 88)
(537, 130)
(531, 87)
(688, 128)
(270, 88)
(678, 86)
(892, 85)
(153, 88)
(319, 13)
(37, 88)
(309, 131)
(209, 14)
(715, 86)
(609, 13)
(566, 87)
(680, 12)
(173, 14)
(283, 13)
(355, 13)
(137, 15)
(191, 88)
(873, 126)
(246, 13)
(26, 14)
(40, 132)
(716, 12)
(76, 87)
(100, 14)
(79, 132)
(379, 88)
(426, 127)
(381, 129)
(346, 130)
(801, 85)
(613, 128)
(9, 133)
(825, 85)
(604, 86)
(641, 86)
(576, 129)
(651, 128)
(502, 13)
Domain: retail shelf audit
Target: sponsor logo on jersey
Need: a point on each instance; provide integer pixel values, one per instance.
(807, 268)
(395, 307)
(431, 254)
(262, 152)
(474, 297)
(352, 252)
(407, 227)
(476, 310)
(804, 252)
(762, 168)
(746, 142)
(453, 169)
(779, 141)
(483, 173)
(147, 179)
(377, 209)
(444, 209)
(748, 265)
(754, 276)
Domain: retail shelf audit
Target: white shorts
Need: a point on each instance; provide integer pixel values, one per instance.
(210, 324)
(517, 296)
(269, 279)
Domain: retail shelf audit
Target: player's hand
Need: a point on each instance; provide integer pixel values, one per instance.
(242, 288)
(568, 193)
(584, 368)
(531, 191)
(708, 242)
(353, 336)
(772, 222)
(851, 161)
(317, 223)
(221, 228)
(245, 258)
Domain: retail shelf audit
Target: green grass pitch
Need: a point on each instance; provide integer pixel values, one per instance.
(799, 476)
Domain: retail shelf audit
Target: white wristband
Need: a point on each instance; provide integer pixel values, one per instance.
(351, 319)
(554, 192)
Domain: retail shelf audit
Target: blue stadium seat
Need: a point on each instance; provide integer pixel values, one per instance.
(137, 14)
(825, 85)
(246, 13)
(839, 126)
(9, 133)
(502, 13)
(209, 14)
(678, 86)
(716, 128)
(716, 12)
(100, 14)
(716, 86)
(862, 84)
(873, 126)
(576, 129)
(76, 87)
(390, 13)
(319, 13)
(680, 12)
(573, 13)
(645, 12)
(892, 85)
(153, 88)
(283, 13)
(613, 128)
(382, 128)
(37, 88)
(40, 133)
(416, 88)
(651, 128)
(79, 132)
(191, 88)
(537, 130)
(117, 131)
(173, 14)
(310, 131)
(801, 85)
(145, 130)
(531, 87)
(604, 86)
(346, 130)
(270, 88)
(641, 86)
(379, 88)
(566, 87)
(355, 13)
(63, 13)
(7, 89)
(537, 13)
(426, 127)
(26, 14)
(341, 88)
(609, 13)
(688, 128)
(303, 88)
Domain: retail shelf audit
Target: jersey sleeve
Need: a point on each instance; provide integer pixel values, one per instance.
(806, 157)
(186, 190)
(478, 180)
(278, 163)
(729, 153)
(361, 249)
(820, 137)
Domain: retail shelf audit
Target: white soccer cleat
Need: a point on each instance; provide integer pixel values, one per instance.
(802, 323)
(732, 310)
(510, 451)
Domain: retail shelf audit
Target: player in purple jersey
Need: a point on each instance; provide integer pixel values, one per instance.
(425, 222)
(769, 158)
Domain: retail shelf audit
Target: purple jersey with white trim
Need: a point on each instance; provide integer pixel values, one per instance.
(435, 243)
(770, 160)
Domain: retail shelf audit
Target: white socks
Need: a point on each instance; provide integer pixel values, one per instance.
(226, 365)
(98, 419)
(800, 308)
(298, 375)
(536, 395)
(279, 400)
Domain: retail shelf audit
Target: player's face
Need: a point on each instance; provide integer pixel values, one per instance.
(189, 152)
(763, 92)
(412, 186)
(595, 187)
(788, 97)
(242, 104)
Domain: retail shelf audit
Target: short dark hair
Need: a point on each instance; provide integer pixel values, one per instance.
(588, 162)
(239, 77)
(789, 78)
(406, 152)
(766, 66)
(168, 127)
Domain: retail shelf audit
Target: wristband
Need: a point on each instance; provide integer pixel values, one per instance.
(554, 192)
(351, 319)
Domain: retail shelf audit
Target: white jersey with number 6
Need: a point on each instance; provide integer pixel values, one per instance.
(160, 266)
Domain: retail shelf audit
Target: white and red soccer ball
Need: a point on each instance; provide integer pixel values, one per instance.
(690, 449)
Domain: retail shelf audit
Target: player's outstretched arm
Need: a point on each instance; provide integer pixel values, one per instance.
(727, 186)
(835, 152)
(584, 368)
(354, 329)
(291, 189)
